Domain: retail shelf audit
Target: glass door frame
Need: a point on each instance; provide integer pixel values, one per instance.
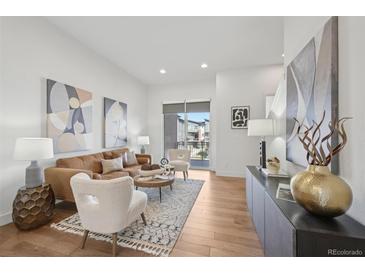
(185, 128)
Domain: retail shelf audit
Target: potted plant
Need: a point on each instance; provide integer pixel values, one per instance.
(316, 188)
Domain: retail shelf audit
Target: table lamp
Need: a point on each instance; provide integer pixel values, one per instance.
(261, 128)
(33, 149)
(143, 141)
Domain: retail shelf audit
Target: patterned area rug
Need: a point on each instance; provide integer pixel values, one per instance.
(165, 220)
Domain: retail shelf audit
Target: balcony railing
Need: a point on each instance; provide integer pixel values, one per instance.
(199, 150)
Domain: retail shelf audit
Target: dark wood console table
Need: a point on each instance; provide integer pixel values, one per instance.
(286, 229)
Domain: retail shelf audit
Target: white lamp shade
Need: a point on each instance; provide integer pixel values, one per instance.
(33, 149)
(260, 127)
(143, 140)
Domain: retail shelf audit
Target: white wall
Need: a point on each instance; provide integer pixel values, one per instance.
(351, 103)
(231, 149)
(33, 50)
(276, 145)
(297, 32)
(245, 87)
(2, 121)
(164, 93)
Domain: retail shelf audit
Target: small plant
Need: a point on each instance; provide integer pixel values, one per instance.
(314, 144)
(203, 154)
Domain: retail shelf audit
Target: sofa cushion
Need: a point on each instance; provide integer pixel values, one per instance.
(115, 153)
(110, 175)
(89, 162)
(132, 170)
(112, 165)
(143, 159)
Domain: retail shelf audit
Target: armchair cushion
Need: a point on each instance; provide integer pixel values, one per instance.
(180, 165)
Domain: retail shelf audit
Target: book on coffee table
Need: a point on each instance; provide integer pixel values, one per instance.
(163, 177)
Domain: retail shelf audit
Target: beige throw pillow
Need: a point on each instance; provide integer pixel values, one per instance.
(130, 158)
(112, 165)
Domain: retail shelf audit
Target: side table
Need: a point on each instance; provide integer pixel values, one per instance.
(33, 207)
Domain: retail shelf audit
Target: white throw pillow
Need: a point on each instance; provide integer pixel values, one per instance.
(130, 158)
(112, 165)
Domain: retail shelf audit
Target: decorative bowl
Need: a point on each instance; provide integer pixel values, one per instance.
(273, 167)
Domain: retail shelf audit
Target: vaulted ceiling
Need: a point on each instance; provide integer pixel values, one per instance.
(144, 45)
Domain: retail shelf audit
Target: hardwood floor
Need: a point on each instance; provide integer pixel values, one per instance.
(218, 225)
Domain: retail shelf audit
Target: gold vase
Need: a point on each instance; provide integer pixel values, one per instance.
(320, 192)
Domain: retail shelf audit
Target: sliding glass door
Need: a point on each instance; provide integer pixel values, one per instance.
(186, 126)
(197, 138)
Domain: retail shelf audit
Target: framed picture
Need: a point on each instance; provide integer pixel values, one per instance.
(115, 123)
(69, 117)
(240, 116)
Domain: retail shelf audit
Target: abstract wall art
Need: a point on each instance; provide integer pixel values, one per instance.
(115, 123)
(240, 117)
(312, 88)
(69, 117)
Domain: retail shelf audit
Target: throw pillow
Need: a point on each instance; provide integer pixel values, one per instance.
(130, 158)
(154, 166)
(112, 165)
(146, 167)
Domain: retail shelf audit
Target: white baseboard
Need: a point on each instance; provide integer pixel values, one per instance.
(229, 173)
(5, 219)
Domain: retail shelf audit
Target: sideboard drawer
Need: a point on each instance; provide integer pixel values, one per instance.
(249, 190)
(258, 209)
(279, 232)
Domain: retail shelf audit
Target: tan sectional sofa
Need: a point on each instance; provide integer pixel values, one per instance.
(59, 176)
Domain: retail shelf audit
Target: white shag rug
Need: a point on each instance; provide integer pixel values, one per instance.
(165, 220)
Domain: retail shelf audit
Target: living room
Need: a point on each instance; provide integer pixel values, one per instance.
(181, 136)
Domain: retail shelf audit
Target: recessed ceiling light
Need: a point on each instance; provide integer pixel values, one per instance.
(282, 55)
(204, 66)
(162, 71)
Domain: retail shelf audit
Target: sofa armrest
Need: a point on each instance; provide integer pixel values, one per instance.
(144, 159)
(59, 179)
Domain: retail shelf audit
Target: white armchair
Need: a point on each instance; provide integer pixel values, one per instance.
(180, 160)
(107, 206)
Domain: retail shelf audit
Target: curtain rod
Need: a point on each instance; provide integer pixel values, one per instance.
(186, 101)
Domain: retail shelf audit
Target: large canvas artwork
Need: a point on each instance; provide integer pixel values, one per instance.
(69, 117)
(312, 87)
(115, 123)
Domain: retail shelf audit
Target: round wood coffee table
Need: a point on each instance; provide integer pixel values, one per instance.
(153, 182)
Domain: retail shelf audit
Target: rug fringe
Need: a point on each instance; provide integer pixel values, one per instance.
(135, 244)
